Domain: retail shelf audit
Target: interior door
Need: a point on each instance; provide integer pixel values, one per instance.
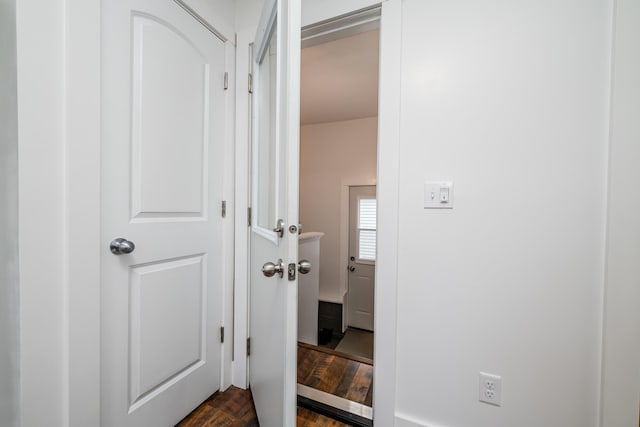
(362, 255)
(273, 264)
(162, 133)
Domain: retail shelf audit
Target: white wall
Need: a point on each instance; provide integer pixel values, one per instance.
(621, 387)
(509, 100)
(332, 155)
(247, 15)
(40, 32)
(9, 291)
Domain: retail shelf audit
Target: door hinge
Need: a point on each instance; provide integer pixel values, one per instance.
(222, 334)
(250, 83)
(249, 216)
(248, 346)
(226, 80)
(224, 208)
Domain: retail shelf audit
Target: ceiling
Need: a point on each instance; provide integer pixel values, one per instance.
(339, 79)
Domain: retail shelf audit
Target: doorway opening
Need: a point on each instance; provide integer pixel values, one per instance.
(338, 175)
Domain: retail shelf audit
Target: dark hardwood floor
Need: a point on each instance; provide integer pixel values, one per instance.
(231, 408)
(323, 369)
(234, 408)
(307, 418)
(336, 374)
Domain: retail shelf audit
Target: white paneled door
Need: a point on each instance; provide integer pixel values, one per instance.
(162, 137)
(362, 255)
(273, 274)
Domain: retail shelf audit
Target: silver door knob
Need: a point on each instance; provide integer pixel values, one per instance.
(121, 246)
(269, 269)
(352, 269)
(304, 266)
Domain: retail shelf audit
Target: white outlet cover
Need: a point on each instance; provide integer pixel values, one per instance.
(490, 389)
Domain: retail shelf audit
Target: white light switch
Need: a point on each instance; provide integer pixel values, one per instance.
(438, 195)
(444, 195)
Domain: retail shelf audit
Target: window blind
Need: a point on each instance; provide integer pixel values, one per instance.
(367, 229)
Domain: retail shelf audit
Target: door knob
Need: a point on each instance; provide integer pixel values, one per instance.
(121, 246)
(304, 266)
(352, 269)
(269, 269)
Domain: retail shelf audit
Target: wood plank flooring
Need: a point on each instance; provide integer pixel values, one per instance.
(307, 418)
(231, 408)
(335, 374)
(323, 370)
(234, 408)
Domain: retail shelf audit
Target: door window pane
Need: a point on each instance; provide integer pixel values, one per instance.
(266, 138)
(367, 245)
(367, 229)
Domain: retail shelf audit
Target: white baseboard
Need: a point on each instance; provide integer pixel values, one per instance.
(407, 421)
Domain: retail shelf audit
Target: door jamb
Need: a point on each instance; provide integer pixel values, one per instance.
(243, 178)
(387, 186)
(228, 226)
(82, 209)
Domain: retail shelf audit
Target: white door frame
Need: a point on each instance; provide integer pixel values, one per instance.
(384, 392)
(388, 184)
(242, 215)
(82, 209)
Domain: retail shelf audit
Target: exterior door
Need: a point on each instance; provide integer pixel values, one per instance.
(274, 230)
(362, 255)
(162, 129)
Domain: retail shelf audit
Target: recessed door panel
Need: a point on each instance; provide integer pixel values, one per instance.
(167, 327)
(170, 122)
(360, 300)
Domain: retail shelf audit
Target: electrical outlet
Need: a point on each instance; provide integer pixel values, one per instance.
(490, 389)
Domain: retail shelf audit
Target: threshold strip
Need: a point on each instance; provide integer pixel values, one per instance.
(339, 408)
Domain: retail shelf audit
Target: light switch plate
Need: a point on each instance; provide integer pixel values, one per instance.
(438, 195)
